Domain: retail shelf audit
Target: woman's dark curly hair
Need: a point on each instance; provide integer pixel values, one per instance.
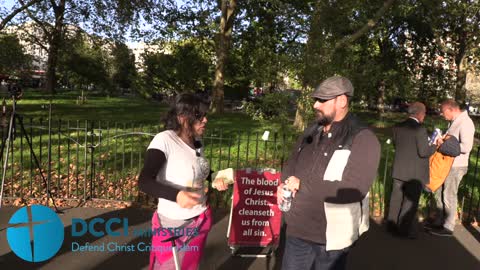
(189, 105)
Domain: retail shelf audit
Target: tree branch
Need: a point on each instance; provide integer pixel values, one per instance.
(36, 40)
(24, 6)
(54, 5)
(231, 8)
(37, 21)
(442, 46)
(367, 27)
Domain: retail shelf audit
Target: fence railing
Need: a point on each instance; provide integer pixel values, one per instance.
(84, 160)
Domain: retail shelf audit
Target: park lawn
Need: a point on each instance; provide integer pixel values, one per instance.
(132, 110)
(35, 104)
(139, 111)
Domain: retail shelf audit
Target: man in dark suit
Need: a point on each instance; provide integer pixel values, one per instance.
(410, 171)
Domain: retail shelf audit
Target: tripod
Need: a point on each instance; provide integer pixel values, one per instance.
(10, 137)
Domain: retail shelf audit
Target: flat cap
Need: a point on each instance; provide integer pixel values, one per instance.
(332, 87)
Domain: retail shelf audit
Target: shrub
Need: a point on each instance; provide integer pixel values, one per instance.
(271, 106)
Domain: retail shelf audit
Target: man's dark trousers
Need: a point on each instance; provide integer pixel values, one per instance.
(302, 254)
(404, 205)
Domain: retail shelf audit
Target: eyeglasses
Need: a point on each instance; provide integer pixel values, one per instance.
(321, 100)
(200, 116)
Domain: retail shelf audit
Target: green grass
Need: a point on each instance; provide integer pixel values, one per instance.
(35, 104)
(112, 109)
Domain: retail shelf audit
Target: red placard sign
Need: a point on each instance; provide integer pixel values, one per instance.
(256, 218)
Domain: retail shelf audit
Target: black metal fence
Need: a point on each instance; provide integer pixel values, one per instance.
(99, 160)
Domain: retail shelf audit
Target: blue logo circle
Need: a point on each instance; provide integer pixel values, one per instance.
(35, 233)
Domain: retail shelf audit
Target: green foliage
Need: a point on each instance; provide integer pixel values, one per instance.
(12, 56)
(415, 49)
(84, 66)
(271, 106)
(184, 70)
(267, 43)
(123, 66)
(439, 43)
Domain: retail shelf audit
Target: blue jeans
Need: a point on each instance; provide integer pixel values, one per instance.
(302, 254)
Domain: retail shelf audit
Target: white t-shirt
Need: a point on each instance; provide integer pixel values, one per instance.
(184, 169)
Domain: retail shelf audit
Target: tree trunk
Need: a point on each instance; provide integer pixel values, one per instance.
(54, 45)
(218, 83)
(222, 46)
(299, 122)
(381, 97)
(51, 69)
(460, 90)
(313, 63)
(461, 72)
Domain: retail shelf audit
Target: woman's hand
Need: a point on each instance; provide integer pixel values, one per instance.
(220, 184)
(188, 199)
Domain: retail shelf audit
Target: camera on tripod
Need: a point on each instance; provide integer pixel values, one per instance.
(14, 90)
(7, 142)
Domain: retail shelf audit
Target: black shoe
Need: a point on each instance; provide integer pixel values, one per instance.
(429, 226)
(391, 227)
(442, 232)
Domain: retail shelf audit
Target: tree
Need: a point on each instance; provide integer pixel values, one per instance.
(12, 57)
(55, 18)
(84, 64)
(222, 45)
(339, 38)
(456, 30)
(440, 43)
(185, 69)
(123, 66)
(268, 42)
(253, 41)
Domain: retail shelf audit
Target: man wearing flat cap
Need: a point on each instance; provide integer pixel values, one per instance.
(330, 171)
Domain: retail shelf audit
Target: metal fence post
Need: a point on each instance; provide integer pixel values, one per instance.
(383, 200)
(472, 187)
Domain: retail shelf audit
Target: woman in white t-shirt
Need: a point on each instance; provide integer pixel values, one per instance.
(175, 171)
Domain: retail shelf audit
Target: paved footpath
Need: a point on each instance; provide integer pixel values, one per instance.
(375, 250)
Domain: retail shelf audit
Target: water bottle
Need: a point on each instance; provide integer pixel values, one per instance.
(287, 200)
(436, 132)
